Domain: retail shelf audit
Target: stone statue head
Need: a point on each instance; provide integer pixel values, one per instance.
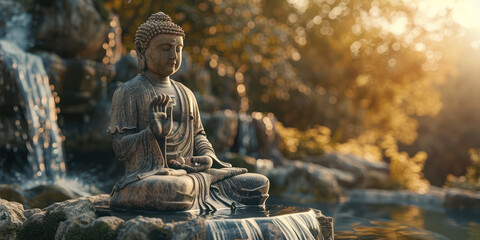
(159, 44)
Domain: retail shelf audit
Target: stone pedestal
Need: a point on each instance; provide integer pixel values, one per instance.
(271, 222)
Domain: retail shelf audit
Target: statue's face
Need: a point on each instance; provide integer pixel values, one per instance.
(164, 54)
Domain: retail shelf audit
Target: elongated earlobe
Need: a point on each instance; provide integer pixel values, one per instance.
(142, 64)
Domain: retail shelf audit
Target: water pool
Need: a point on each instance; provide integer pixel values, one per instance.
(388, 221)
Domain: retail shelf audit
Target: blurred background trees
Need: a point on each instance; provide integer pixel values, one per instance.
(371, 78)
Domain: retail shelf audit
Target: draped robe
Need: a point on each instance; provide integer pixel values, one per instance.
(148, 182)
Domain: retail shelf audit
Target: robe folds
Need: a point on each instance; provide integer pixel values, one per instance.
(148, 182)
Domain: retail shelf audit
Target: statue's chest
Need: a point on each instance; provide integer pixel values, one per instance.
(175, 102)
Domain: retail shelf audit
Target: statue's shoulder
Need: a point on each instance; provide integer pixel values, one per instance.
(132, 86)
(185, 88)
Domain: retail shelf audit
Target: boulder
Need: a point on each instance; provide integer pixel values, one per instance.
(55, 220)
(326, 224)
(462, 199)
(194, 229)
(11, 219)
(434, 199)
(12, 192)
(268, 138)
(73, 227)
(302, 181)
(45, 195)
(103, 228)
(101, 200)
(40, 225)
(83, 83)
(366, 174)
(141, 228)
(73, 208)
(15, 24)
(69, 27)
(246, 140)
(221, 128)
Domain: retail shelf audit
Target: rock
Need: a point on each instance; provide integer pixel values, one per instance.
(302, 181)
(12, 192)
(366, 174)
(462, 199)
(41, 226)
(73, 208)
(70, 27)
(73, 227)
(194, 229)
(246, 140)
(206, 102)
(83, 85)
(55, 220)
(103, 228)
(101, 200)
(142, 228)
(221, 128)
(434, 199)
(126, 68)
(268, 138)
(264, 166)
(45, 195)
(343, 178)
(75, 219)
(56, 68)
(30, 212)
(11, 219)
(326, 224)
(15, 24)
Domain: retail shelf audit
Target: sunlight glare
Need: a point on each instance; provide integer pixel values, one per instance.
(465, 13)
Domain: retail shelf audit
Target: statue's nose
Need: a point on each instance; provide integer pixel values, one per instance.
(173, 55)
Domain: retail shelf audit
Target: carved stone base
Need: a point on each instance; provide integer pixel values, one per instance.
(271, 222)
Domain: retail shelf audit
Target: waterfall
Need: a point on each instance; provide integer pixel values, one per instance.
(27, 74)
(302, 225)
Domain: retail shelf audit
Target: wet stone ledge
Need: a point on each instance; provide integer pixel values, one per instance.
(91, 218)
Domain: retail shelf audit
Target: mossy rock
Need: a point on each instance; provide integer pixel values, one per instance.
(42, 228)
(97, 231)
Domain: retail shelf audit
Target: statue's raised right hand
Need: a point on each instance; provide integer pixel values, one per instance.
(161, 120)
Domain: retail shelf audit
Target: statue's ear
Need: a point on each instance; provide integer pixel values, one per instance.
(142, 62)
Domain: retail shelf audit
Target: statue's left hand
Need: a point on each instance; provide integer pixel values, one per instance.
(192, 164)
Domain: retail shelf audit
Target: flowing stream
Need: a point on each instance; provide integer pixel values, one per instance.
(41, 136)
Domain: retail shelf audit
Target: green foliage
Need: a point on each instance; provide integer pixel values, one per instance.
(42, 230)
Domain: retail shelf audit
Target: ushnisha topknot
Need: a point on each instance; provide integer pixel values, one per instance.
(158, 23)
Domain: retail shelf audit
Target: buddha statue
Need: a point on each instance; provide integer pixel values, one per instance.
(158, 134)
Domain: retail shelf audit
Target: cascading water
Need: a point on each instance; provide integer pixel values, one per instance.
(42, 138)
(299, 225)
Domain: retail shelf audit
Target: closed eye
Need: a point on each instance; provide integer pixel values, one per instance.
(165, 46)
